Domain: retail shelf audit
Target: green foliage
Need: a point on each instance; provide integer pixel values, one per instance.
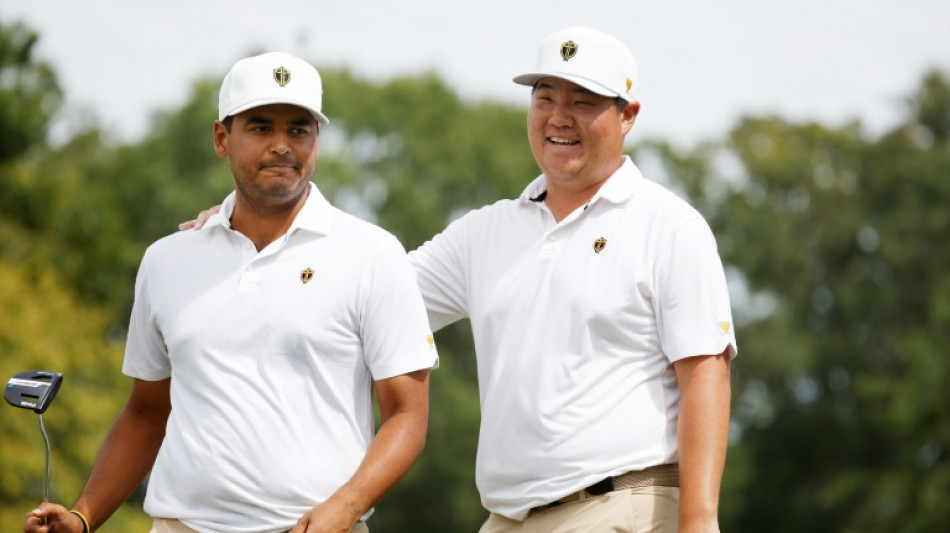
(46, 327)
(29, 92)
(439, 492)
(423, 155)
(840, 391)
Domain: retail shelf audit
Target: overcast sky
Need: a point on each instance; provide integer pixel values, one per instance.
(702, 63)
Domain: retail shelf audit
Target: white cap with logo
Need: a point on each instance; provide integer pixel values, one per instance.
(271, 78)
(595, 60)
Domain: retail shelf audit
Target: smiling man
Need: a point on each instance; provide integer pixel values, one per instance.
(255, 343)
(601, 320)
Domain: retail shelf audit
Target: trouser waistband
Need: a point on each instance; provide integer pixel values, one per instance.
(667, 475)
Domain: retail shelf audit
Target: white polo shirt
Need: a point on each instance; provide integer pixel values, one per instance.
(576, 327)
(272, 357)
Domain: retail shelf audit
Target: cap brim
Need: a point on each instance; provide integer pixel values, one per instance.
(321, 118)
(596, 88)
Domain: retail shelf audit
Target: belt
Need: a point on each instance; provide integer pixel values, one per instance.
(667, 475)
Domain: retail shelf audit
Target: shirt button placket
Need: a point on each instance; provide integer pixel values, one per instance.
(550, 246)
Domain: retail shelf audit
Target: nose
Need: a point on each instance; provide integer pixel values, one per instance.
(561, 116)
(280, 143)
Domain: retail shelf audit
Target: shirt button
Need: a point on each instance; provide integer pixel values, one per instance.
(250, 268)
(552, 237)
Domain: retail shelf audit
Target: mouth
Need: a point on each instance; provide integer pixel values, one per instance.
(278, 164)
(561, 141)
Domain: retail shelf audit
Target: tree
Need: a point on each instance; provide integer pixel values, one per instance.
(29, 92)
(836, 244)
(46, 327)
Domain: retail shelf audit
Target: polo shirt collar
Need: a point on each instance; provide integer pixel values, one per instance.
(622, 184)
(618, 188)
(315, 215)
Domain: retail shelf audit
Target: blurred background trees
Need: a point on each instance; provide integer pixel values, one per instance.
(835, 246)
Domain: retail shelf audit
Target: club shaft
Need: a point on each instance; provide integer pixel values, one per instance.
(46, 442)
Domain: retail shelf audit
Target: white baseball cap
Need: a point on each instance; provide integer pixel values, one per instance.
(595, 60)
(271, 78)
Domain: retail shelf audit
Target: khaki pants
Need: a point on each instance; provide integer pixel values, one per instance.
(639, 510)
(168, 525)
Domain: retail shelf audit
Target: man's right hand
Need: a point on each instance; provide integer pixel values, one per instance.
(52, 518)
(199, 222)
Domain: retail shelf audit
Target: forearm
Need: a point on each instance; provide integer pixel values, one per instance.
(404, 411)
(398, 443)
(124, 459)
(703, 434)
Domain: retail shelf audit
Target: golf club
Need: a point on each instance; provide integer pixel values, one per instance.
(35, 390)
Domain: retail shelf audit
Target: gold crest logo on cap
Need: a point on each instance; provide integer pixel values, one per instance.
(599, 245)
(725, 327)
(306, 275)
(568, 50)
(282, 76)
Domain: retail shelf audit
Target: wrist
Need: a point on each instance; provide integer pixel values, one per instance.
(82, 518)
(347, 507)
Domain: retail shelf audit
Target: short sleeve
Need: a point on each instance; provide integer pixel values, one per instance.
(441, 267)
(146, 356)
(393, 326)
(692, 305)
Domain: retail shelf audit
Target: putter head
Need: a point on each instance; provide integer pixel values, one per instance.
(33, 389)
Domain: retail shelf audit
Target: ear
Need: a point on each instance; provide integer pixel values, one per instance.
(220, 139)
(629, 116)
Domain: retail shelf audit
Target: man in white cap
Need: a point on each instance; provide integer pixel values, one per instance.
(255, 343)
(601, 319)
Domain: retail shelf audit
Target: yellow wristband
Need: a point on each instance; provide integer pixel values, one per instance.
(85, 521)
